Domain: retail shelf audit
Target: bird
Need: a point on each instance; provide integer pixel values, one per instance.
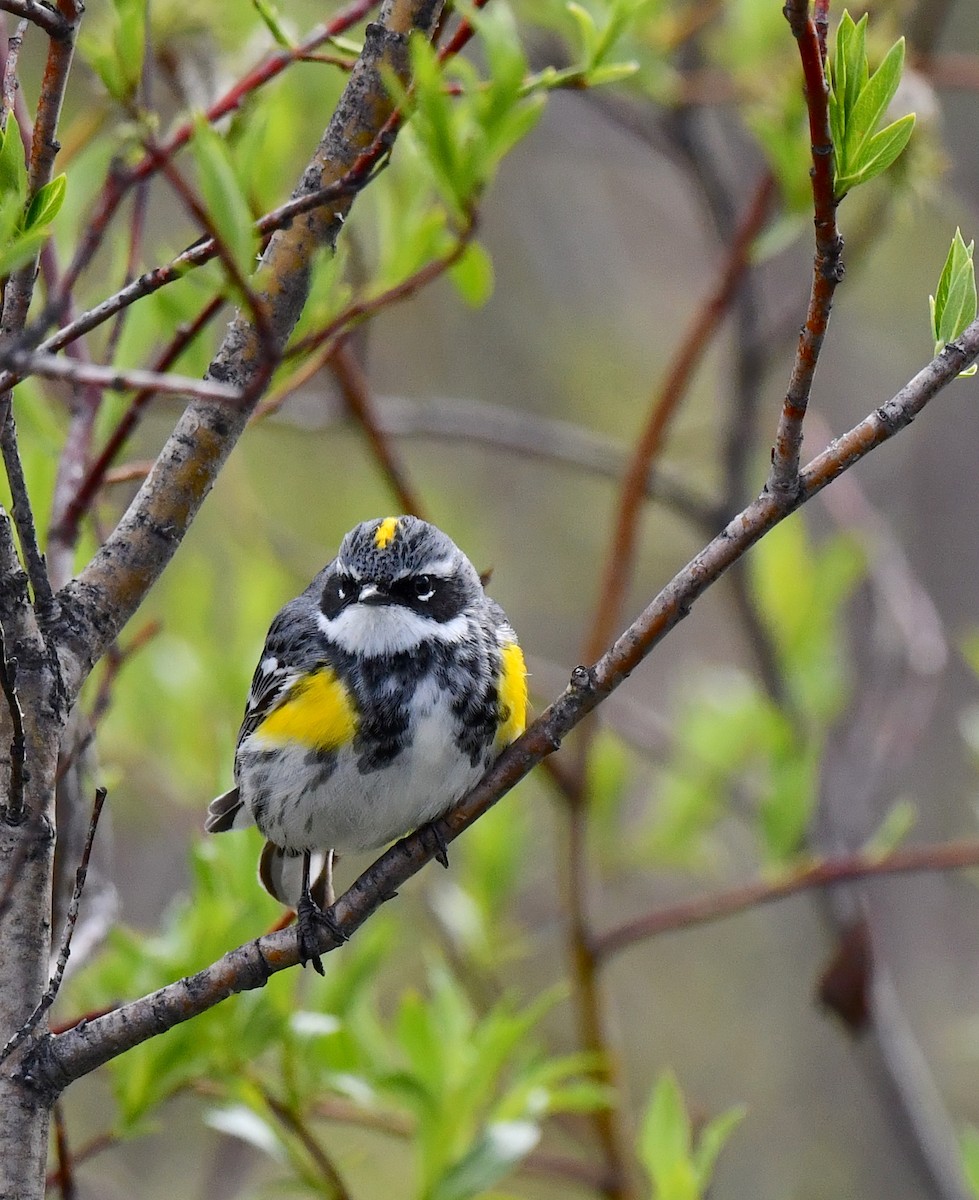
(383, 692)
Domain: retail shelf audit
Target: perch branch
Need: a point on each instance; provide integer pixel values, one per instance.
(54, 1061)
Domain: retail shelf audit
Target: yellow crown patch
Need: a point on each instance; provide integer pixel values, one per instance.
(385, 532)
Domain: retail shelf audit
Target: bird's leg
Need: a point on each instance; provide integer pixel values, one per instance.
(310, 918)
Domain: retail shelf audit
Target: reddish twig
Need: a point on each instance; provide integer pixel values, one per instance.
(98, 1145)
(119, 183)
(360, 310)
(622, 551)
(253, 302)
(714, 906)
(64, 1173)
(352, 381)
(66, 530)
(828, 264)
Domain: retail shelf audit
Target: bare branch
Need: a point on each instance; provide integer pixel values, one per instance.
(828, 264)
(128, 380)
(714, 906)
(54, 24)
(622, 551)
(71, 919)
(22, 512)
(55, 1061)
(352, 381)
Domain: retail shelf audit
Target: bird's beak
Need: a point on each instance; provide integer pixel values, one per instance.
(372, 593)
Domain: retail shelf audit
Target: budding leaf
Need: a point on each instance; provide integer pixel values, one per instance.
(953, 307)
(857, 104)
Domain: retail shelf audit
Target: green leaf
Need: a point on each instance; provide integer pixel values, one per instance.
(666, 1136)
(13, 166)
(679, 1165)
(224, 198)
(47, 203)
(472, 275)
(501, 1146)
(969, 1145)
(857, 104)
(272, 20)
(878, 154)
(900, 819)
(953, 307)
(873, 100)
(21, 251)
(712, 1141)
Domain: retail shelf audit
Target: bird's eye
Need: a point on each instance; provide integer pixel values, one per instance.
(423, 587)
(339, 590)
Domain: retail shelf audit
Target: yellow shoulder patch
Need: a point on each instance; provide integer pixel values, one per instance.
(513, 694)
(318, 712)
(385, 532)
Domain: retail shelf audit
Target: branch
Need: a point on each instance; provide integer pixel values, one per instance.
(54, 1061)
(71, 920)
(120, 182)
(622, 552)
(714, 906)
(828, 264)
(122, 380)
(352, 381)
(64, 533)
(98, 603)
(54, 24)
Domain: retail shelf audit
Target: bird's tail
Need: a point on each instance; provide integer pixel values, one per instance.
(227, 812)
(281, 874)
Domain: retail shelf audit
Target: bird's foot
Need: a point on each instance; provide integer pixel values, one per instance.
(310, 921)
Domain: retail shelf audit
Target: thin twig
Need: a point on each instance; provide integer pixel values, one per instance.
(714, 906)
(621, 556)
(66, 530)
(11, 83)
(233, 269)
(97, 1145)
(360, 310)
(118, 184)
(13, 811)
(828, 263)
(65, 1171)
(294, 1123)
(54, 24)
(71, 920)
(121, 380)
(23, 514)
(352, 380)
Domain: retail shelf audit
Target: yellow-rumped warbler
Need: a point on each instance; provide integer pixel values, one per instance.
(383, 693)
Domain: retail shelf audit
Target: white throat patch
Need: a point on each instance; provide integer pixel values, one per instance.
(373, 630)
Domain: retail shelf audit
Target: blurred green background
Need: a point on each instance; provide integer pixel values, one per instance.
(603, 247)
